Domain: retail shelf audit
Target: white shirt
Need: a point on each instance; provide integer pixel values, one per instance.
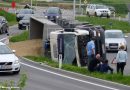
(121, 56)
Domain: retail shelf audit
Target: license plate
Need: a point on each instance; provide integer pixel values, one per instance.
(113, 47)
(5, 66)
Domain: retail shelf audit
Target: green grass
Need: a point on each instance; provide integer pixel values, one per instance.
(122, 25)
(21, 37)
(11, 18)
(111, 77)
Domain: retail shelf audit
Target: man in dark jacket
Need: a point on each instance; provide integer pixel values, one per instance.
(93, 65)
(104, 67)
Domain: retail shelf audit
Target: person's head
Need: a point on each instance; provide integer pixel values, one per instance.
(98, 56)
(122, 47)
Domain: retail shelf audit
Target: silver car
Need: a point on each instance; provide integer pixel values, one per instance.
(114, 39)
(24, 22)
(3, 25)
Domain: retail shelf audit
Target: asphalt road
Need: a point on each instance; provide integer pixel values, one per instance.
(45, 78)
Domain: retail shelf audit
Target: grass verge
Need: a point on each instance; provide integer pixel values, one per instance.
(11, 18)
(111, 77)
(21, 37)
(116, 24)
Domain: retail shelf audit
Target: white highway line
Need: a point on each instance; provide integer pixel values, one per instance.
(69, 77)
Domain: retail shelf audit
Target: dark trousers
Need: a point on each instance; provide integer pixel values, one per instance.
(120, 66)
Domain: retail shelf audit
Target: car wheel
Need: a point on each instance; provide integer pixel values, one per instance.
(108, 16)
(16, 72)
(1, 31)
(19, 27)
(126, 48)
(88, 14)
(95, 14)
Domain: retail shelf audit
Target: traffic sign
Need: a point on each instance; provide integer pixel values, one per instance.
(85, 1)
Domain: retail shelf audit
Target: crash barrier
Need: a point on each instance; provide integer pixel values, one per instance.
(70, 44)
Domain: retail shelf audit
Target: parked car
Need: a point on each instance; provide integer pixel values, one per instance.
(98, 10)
(9, 62)
(114, 39)
(3, 25)
(24, 22)
(23, 12)
(53, 13)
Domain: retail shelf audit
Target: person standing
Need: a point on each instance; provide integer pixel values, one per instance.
(90, 47)
(121, 59)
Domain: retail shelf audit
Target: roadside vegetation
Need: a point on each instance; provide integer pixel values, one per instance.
(11, 18)
(108, 23)
(8, 85)
(82, 70)
(21, 37)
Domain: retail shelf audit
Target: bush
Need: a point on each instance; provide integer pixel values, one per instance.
(10, 17)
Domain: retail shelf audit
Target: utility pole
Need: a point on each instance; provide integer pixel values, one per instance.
(74, 9)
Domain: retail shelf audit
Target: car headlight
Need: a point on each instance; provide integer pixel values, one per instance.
(45, 16)
(107, 44)
(57, 16)
(122, 43)
(16, 62)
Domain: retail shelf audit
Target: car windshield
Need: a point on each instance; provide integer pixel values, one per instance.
(4, 50)
(52, 11)
(26, 17)
(25, 11)
(0, 20)
(113, 35)
(101, 7)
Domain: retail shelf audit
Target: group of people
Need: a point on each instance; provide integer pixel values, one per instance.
(96, 63)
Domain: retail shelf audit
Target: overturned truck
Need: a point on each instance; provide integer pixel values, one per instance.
(67, 40)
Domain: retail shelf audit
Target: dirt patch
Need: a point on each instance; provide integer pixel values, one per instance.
(27, 48)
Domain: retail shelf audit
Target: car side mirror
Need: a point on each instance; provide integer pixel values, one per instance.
(13, 51)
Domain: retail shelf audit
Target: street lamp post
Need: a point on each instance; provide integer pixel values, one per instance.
(74, 9)
(31, 3)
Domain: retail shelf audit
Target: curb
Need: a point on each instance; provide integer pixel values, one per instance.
(75, 73)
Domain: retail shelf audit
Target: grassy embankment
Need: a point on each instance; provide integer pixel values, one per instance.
(11, 18)
(116, 24)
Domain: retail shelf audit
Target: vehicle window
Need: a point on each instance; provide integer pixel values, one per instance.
(26, 17)
(0, 20)
(113, 35)
(52, 11)
(4, 50)
(25, 11)
(101, 7)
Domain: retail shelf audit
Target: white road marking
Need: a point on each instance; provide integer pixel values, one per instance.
(69, 77)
